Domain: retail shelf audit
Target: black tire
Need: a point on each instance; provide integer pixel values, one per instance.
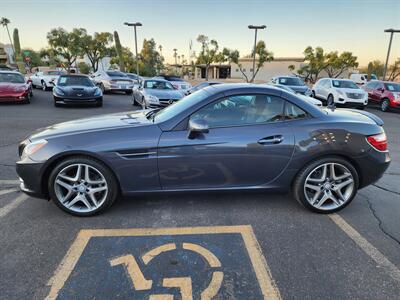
(44, 86)
(99, 103)
(27, 99)
(112, 184)
(385, 105)
(298, 184)
(330, 101)
(103, 89)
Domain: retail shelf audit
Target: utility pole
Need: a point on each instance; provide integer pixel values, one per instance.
(255, 27)
(134, 25)
(392, 31)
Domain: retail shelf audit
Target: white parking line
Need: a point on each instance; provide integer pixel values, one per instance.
(367, 247)
(5, 210)
(3, 192)
(13, 182)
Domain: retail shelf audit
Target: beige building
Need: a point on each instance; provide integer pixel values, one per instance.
(279, 66)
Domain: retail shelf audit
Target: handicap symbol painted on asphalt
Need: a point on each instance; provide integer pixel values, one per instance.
(221, 262)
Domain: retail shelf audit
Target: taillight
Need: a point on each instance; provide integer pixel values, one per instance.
(378, 141)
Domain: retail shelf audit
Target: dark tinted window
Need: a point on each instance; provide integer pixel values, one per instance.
(173, 78)
(371, 85)
(293, 112)
(55, 73)
(11, 77)
(74, 80)
(392, 87)
(158, 85)
(241, 110)
(291, 81)
(115, 74)
(346, 84)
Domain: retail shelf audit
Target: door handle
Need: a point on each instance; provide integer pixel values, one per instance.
(275, 139)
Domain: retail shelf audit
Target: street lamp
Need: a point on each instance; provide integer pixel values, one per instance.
(255, 27)
(136, 55)
(391, 30)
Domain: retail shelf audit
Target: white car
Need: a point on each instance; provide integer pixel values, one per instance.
(177, 82)
(45, 80)
(304, 97)
(113, 81)
(340, 91)
(362, 78)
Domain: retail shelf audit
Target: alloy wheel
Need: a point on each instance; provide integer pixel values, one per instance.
(329, 186)
(384, 105)
(44, 87)
(80, 188)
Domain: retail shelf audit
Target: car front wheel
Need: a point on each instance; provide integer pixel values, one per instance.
(385, 105)
(44, 86)
(82, 186)
(330, 101)
(326, 185)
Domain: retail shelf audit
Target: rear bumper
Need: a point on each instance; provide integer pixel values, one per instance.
(372, 166)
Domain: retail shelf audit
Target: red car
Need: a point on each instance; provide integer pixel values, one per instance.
(13, 87)
(384, 93)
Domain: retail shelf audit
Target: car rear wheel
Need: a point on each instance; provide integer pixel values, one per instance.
(330, 101)
(385, 105)
(82, 186)
(326, 185)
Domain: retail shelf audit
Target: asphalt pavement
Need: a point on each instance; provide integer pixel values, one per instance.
(193, 246)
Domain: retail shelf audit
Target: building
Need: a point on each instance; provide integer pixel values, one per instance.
(215, 71)
(279, 66)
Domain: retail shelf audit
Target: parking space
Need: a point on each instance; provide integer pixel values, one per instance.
(193, 246)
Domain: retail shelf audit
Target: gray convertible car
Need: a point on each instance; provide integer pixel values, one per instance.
(223, 137)
(155, 93)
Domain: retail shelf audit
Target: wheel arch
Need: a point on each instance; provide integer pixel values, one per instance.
(50, 165)
(348, 158)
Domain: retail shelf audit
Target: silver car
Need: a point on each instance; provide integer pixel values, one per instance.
(110, 81)
(155, 93)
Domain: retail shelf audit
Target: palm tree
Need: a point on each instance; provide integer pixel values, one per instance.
(5, 22)
(175, 55)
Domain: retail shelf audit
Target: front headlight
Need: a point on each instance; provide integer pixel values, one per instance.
(152, 99)
(97, 92)
(32, 148)
(58, 91)
(396, 96)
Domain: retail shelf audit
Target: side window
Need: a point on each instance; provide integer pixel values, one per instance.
(241, 110)
(293, 112)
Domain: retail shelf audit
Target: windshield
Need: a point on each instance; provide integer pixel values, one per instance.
(116, 74)
(158, 85)
(11, 78)
(392, 87)
(74, 80)
(180, 106)
(173, 78)
(373, 76)
(291, 81)
(344, 84)
(54, 72)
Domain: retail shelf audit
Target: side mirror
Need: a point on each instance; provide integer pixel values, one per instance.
(196, 127)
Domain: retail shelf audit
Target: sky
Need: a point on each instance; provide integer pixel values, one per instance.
(292, 25)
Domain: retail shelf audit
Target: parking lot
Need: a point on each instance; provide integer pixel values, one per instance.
(238, 245)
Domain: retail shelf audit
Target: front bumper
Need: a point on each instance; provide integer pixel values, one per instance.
(14, 97)
(76, 100)
(30, 176)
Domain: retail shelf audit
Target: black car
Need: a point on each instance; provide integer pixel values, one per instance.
(76, 89)
(223, 137)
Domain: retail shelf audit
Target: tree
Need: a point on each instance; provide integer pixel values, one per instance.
(124, 59)
(67, 45)
(97, 47)
(50, 56)
(150, 59)
(83, 67)
(233, 56)
(375, 67)
(337, 64)
(5, 22)
(208, 53)
(35, 58)
(17, 45)
(119, 51)
(394, 70)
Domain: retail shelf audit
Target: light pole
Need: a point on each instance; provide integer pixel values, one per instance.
(391, 30)
(137, 24)
(255, 27)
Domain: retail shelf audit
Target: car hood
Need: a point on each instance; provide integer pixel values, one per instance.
(354, 91)
(6, 87)
(164, 94)
(353, 115)
(102, 122)
(78, 90)
(299, 88)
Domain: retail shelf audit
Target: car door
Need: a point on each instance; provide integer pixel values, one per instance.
(248, 145)
(378, 92)
(36, 78)
(318, 88)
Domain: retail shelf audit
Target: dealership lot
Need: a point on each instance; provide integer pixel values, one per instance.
(231, 246)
